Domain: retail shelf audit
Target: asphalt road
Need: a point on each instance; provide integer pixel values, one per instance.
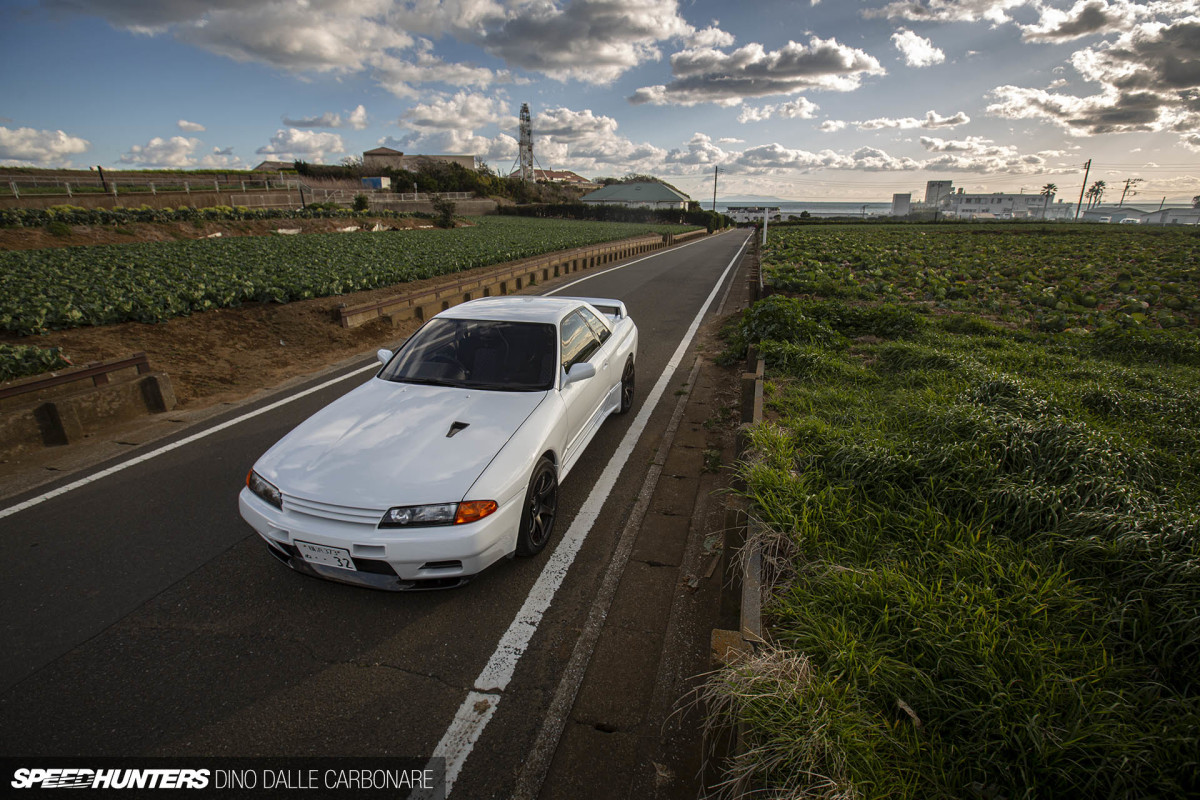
(142, 616)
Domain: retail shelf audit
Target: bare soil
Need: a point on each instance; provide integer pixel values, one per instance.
(83, 235)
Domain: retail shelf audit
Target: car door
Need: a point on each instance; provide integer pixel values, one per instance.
(607, 373)
(582, 399)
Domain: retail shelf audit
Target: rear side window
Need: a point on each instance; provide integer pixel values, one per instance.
(597, 325)
(578, 341)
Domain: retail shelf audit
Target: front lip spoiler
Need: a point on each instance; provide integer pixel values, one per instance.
(387, 581)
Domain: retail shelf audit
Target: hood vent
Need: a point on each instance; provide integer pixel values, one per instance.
(455, 428)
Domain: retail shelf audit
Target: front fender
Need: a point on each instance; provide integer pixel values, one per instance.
(545, 430)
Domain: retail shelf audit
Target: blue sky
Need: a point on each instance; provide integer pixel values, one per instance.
(802, 100)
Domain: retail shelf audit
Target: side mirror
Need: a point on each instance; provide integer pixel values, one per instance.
(384, 355)
(579, 372)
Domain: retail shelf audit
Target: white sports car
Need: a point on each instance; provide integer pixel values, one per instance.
(449, 459)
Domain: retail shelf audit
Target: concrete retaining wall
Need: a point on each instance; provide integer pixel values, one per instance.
(495, 281)
(69, 416)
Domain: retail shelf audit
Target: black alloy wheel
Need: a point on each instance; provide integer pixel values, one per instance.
(541, 508)
(626, 388)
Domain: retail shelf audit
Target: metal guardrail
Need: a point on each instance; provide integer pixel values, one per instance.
(98, 372)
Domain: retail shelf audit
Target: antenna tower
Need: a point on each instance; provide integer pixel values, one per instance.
(525, 154)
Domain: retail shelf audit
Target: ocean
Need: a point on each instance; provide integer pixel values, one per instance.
(816, 209)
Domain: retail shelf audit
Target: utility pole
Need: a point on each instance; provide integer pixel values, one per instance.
(1129, 183)
(766, 213)
(716, 171)
(1086, 169)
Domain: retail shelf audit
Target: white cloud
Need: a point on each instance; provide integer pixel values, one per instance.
(710, 37)
(701, 152)
(800, 108)
(566, 125)
(730, 140)
(399, 75)
(917, 50)
(190, 127)
(1085, 18)
(295, 144)
(594, 41)
(832, 125)
(708, 75)
(994, 11)
(931, 120)
(774, 157)
(42, 148)
(177, 152)
(356, 119)
(463, 111)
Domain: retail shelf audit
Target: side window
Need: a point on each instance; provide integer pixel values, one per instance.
(578, 341)
(597, 325)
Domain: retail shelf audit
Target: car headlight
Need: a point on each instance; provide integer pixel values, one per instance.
(264, 489)
(437, 514)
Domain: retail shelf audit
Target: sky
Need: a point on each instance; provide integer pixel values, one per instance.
(802, 100)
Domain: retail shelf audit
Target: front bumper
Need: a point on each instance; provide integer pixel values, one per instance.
(393, 559)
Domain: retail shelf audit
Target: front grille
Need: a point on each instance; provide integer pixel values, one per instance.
(315, 508)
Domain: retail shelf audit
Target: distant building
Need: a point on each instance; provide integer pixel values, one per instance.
(743, 214)
(1112, 214)
(1006, 206)
(558, 176)
(386, 158)
(274, 166)
(638, 195)
(936, 191)
(1174, 216)
(901, 205)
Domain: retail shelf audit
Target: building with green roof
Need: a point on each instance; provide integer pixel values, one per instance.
(639, 195)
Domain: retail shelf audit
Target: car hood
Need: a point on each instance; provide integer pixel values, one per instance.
(385, 444)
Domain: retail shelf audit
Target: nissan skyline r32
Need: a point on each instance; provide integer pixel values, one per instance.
(450, 458)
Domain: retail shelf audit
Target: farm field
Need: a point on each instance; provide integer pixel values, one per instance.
(61, 288)
(1046, 277)
(983, 531)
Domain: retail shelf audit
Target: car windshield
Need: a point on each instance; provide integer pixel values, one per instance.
(478, 354)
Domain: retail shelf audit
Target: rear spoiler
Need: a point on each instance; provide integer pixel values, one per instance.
(606, 306)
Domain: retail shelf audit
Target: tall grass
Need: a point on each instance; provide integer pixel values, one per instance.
(995, 550)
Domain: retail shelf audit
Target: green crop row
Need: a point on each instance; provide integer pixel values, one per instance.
(20, 360)
(153, 281)
(1053, 279)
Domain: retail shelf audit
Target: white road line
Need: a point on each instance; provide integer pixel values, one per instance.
(472, 717)
(104, 473)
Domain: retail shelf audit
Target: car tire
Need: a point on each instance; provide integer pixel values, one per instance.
(540, 509)
(626, 388)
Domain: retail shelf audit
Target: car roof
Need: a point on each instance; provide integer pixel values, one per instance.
(516, 309)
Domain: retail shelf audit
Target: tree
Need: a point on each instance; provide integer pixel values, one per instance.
(443, 210)
(1048, 192)
(1196, 201)
(1095, 193)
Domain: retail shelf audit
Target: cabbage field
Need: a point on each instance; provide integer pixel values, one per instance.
(1051, 278)
(979, 489)
(69, 287)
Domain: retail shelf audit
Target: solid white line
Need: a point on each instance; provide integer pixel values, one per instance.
(104, 473)
(469, 721)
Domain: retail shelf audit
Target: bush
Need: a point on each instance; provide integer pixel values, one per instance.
(57, 228)
(21, 360)
(443, 212)
(362, 202)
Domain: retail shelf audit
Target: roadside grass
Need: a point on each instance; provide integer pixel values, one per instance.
(992, 576)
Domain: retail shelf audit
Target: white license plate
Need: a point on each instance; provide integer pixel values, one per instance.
(329, 556)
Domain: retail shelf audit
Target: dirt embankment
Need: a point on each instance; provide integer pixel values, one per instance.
(225, 354)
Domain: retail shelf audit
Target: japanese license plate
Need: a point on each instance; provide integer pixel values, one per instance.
(322, 554)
